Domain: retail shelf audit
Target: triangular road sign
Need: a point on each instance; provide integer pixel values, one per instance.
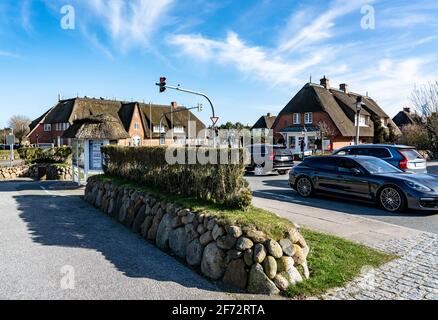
(214, 120)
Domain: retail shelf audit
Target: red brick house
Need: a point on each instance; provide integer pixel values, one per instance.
(141, 121)
(318, 106)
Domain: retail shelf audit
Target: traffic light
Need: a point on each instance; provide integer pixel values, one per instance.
(200, 107)
(162, 84)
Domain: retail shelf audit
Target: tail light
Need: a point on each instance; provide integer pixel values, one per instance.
(403, 164)
(272, 156)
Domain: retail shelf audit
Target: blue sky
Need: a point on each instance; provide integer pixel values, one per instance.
(250, 56)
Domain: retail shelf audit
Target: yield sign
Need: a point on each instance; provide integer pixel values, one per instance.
(214, 120)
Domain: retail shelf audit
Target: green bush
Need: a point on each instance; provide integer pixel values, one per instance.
(39, 155)
(219, 183)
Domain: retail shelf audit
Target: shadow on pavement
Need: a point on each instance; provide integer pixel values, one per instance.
(69, 221)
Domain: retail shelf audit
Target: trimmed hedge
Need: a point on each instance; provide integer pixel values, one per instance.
(219, 183)
(39, 155)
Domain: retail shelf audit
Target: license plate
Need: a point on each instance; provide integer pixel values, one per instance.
(284, 158)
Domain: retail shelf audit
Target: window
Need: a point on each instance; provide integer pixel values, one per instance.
(297, 118)
(136, 126)
(363, 120)
(178, 129)
(379, 153)
(47, 127)
(308, 118)
(65, 126)
(346, 165)
(324, 163)
(157, 129)
(384, 122)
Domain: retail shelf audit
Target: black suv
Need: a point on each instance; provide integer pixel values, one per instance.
(266, 159)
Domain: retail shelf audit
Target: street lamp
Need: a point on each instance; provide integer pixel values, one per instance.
(359, 104)
(303, 142)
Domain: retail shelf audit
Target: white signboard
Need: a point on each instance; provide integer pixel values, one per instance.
(95, 155)
(10, 139)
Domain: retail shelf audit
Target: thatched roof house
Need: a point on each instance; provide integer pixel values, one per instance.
(139, 120)
(317, 105)
(100, 127)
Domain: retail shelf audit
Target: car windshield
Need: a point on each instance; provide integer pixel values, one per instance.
(377, 166)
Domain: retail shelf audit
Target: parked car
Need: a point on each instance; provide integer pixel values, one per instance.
(368, 178)
(266, 159)
(403, 157)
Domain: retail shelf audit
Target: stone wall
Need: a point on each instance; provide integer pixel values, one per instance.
(13, 172)
(50, 172)
(37, 171)
(241, 257)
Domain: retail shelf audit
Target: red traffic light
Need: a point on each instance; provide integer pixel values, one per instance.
(162, 84)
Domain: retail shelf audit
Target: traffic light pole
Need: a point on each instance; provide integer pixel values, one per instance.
(178, 88)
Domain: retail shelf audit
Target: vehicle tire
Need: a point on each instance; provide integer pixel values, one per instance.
(282, 172)
(304, 187)
(391, 199)
(259, 170)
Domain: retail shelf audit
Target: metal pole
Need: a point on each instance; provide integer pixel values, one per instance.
(202, 95)
(357, 126)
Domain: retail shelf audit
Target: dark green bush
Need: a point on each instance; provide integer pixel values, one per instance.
(220, 183)
(39, 155)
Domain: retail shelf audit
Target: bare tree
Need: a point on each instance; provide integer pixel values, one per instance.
(326, 131)
(425, 101)
(20, 124)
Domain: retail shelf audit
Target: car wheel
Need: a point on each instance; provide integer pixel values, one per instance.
(304, 187)
(392, 199)
(259, 170)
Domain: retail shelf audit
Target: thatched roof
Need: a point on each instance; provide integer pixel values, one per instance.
(406, 117)
(264, 122)
(67, 111)
(99, 127)
(338, 104)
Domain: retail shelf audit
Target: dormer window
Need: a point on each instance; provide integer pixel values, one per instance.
(308, 118)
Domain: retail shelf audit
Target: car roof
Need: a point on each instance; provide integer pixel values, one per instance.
(365, 145)
(346, 156)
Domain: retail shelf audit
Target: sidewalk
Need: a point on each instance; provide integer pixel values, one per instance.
(413, 276)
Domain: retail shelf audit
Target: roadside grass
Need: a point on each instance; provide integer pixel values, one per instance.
(332, 261)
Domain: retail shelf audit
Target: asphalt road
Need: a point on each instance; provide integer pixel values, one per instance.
(46, 234)
(276, 187)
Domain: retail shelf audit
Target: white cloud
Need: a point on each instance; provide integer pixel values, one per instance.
(127, 24)
(253, 61)
(308, 29)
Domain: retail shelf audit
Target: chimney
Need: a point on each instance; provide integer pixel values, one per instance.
(269, 114)
(343, 87)
(407, 110)
(174, 105)
(325, 83)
